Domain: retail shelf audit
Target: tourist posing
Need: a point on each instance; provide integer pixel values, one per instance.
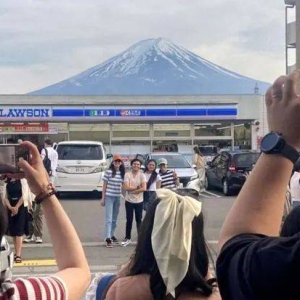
(153, 183)
(135, 185)
(111, 197)
(169, 178)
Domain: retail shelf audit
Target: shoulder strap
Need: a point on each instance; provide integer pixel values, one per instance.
(103, 284)
(151, 179)
(46, 152)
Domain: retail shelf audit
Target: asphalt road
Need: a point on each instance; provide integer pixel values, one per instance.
(88, 218)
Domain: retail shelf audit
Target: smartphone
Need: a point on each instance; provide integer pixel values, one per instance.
(9, 157)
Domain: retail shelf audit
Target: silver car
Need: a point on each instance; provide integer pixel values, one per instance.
(188, 176)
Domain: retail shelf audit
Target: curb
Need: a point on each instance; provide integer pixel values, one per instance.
(88, 244)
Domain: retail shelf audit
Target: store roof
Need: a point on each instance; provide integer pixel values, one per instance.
(128, 100)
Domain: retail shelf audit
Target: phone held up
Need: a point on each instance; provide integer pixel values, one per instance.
(9, 157)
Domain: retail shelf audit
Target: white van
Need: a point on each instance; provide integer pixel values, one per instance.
(81, 166)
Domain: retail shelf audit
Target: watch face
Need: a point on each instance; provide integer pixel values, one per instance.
(270, 141)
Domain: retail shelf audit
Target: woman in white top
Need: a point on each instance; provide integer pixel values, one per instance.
(134, 185)
(153, 183)
(199, 162)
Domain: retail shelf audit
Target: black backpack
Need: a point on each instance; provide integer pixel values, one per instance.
(47, 162)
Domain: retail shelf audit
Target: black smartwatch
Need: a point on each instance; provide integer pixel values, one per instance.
(274, 143)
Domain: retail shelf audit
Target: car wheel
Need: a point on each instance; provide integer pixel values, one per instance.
(207, 185)
(226, 188)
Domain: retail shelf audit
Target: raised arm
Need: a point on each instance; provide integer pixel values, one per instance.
(70, 258)
(259, 206)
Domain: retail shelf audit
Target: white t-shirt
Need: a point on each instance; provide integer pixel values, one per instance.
(295, 186)
(134, 180)
(53, 156)
(153, 185)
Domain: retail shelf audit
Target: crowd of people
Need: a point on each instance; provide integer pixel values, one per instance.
(140, 188)
(258, 259)
(140, 191)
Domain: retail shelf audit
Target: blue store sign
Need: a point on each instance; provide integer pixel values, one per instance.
(62, 113)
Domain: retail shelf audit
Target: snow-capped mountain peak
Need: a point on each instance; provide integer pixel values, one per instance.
(155, 66)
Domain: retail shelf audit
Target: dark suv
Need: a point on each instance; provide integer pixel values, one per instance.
(229, 170)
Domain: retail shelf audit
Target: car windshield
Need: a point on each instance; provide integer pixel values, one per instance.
(246, 159)
(208, 150)
(189, 157)
(174, 161)
(79, 152)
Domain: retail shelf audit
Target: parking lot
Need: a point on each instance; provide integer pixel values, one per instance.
(88, 218)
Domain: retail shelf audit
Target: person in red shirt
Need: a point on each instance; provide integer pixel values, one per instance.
(73, 277)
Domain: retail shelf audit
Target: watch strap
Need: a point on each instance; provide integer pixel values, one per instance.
(290, 153)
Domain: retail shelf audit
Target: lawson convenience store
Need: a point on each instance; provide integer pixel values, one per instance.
(151, 123)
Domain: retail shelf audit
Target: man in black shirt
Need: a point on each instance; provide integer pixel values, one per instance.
(254, 262)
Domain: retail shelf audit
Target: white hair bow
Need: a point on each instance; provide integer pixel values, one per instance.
(172, 236)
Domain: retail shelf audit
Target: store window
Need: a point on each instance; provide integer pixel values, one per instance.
(172, 130)
(90, 132)
(131, 131)
(213, 129)
(242, 135)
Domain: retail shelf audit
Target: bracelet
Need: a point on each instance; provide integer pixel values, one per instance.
(45, 194)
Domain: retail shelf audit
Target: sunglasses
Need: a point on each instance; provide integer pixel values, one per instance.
(117, 161)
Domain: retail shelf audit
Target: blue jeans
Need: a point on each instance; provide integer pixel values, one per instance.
(112, 206)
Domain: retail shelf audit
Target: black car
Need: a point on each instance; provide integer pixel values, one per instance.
(229, 170)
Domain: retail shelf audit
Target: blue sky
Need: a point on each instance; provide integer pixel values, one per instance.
(43, 42)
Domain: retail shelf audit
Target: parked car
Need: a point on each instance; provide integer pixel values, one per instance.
(208, 152)
(189, 157)
(188, 176)
(81, 165)
(127, 158)
(229, 170)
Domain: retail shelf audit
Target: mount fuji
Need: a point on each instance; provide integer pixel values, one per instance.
(155, 67)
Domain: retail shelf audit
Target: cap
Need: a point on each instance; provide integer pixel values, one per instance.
(117, 157)
(162, 161)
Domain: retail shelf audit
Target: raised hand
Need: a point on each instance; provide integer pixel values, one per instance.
(283, 108)
(34, 171)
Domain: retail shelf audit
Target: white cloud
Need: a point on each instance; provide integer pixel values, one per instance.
(43, 42)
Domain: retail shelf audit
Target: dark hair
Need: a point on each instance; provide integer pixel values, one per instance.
(3, 219)
(135, 160)
(198, 265)
(48, 142)
(291, 225)
(153, 174)
(197, 150)
(114, 171)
